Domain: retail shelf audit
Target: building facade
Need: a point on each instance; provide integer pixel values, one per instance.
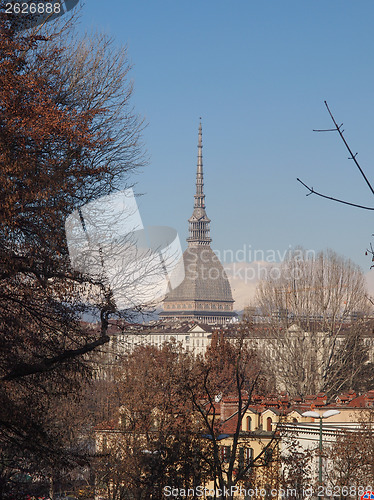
(191, 336)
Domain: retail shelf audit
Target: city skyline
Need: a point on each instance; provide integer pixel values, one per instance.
(258, 75)
(126, 364)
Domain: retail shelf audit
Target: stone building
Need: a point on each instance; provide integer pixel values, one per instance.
(191, 336)
(205, 293)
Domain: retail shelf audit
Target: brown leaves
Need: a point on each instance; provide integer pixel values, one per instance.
(58, 135)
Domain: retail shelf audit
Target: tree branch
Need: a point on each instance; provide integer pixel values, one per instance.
(353, 156)
(312, 191)
(24, 369)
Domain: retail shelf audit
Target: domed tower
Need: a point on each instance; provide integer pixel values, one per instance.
(205, 293)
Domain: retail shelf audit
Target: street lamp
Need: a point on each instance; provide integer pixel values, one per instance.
(314, 414)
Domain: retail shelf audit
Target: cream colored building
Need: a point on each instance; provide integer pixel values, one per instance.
(191, 336)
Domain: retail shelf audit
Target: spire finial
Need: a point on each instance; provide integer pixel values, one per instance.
(200, 155)
(199, 222)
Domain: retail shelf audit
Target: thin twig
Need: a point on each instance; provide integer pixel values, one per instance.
(312, 191)
(324, 130)
(353, 157)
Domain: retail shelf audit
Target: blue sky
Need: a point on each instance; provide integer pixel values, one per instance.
(257, 73)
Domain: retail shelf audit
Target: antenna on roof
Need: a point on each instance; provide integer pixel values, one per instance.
(218, 397)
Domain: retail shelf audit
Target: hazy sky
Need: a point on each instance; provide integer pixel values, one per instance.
(257, 73)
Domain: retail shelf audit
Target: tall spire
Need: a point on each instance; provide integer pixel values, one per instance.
(199, 221)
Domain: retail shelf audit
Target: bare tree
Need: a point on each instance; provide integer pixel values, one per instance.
(155, 441)
(230, 368)
(351, 470)
(314, 307)
(296, 466)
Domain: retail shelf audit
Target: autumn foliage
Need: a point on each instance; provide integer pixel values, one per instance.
(67, 136)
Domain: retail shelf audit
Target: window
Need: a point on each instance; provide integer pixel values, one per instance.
(249, 423)
(268, 424)
(187, 338)
(104, 444)
(225, 453)
(248, 455)
(245, 457)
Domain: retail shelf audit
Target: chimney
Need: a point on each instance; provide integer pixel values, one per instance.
(228, 407)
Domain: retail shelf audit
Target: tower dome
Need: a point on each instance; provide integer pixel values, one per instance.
(205, 293)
